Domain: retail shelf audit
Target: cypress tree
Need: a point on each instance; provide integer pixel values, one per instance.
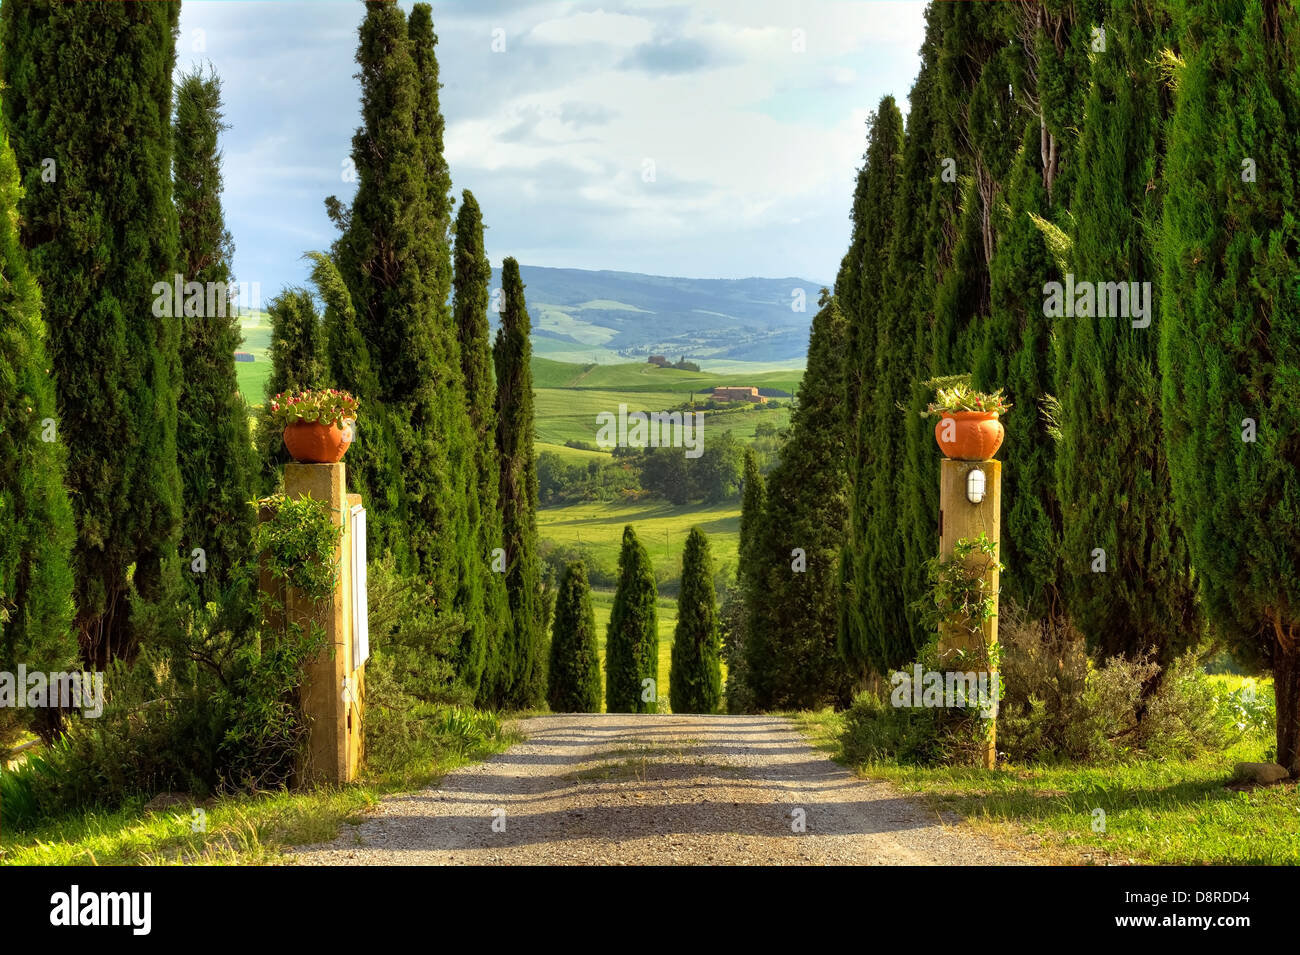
(861, 285)
(1016, 351)
(969, 109)
(734, 614)
(632, 638)
(751, 512)
(395, 258)
(922, 215)
(214, 448)
(460, 509)
(790, 650)
(88, 106)
(473, 274)
(1230, 329)
(695, 676)
(297, 353)
(373, 463)
(1111, 468)
(35, 577)
(573, 678)
(296, 365)
(521, 682)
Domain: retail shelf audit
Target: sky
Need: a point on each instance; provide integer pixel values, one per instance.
(705, 139)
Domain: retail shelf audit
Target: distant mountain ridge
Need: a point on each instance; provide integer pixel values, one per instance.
(606, 316)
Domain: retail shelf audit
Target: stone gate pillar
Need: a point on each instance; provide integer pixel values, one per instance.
(334, 685)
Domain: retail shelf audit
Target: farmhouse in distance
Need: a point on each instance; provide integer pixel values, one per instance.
(737, 393)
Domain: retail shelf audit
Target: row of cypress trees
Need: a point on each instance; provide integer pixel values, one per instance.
(632, 637)
(130, 442)
(1115, 142)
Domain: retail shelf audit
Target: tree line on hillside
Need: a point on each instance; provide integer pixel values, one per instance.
(132, 459)
(1151, 484)
(629, 473)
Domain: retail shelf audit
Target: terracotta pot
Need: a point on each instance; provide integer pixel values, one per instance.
(310, 442)
(972, 435)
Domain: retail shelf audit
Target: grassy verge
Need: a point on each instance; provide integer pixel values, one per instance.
(1164, 812)
(230, 830)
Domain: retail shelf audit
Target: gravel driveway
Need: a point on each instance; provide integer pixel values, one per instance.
(626, 790)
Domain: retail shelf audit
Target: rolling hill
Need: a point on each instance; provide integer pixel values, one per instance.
(581, 315)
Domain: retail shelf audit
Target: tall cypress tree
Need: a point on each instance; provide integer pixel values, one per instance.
(459, 510)
(632, 638)
(374, 465)
(473, 274)
(751, 512)
(573, 678)
(395, 258)
(521, 681)
(297, 343)
(1015, 353)
(88, 103)
(1111, 468)
(296, 365)
(214, 448)
(35, 577)
(969, 109)
(1230, 329)
(861, 284)
(790, 650)
(695, 676)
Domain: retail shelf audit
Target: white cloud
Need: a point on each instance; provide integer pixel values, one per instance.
(614, 29)
(756, 145)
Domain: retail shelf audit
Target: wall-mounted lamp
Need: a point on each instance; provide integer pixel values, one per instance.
(975, 486)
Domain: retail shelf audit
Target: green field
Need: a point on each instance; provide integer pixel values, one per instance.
(597, 529)
(644, 377)
(252, 375)
(567, 398)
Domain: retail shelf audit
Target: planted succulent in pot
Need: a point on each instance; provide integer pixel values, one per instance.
(968, 427)
(318, 425)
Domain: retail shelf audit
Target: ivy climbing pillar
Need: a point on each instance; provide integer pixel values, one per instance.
(970, 504)
(334, 682)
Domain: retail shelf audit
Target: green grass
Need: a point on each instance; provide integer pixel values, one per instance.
(240, 830)
(572, 455)
(1163, 812)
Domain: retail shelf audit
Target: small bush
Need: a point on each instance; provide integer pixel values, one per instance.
(1057, 704)
(875, 730)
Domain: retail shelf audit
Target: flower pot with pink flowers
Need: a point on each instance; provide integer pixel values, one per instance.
(318, 425)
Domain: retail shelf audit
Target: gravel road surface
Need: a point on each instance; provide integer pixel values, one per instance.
(614, 789)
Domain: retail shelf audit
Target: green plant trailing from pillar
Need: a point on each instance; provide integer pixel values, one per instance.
(1230, 329)
(88, 102)
(214, 450)
(632, 638)
(266, 733)
(573, 678)
(35, 578)
(521, 676)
